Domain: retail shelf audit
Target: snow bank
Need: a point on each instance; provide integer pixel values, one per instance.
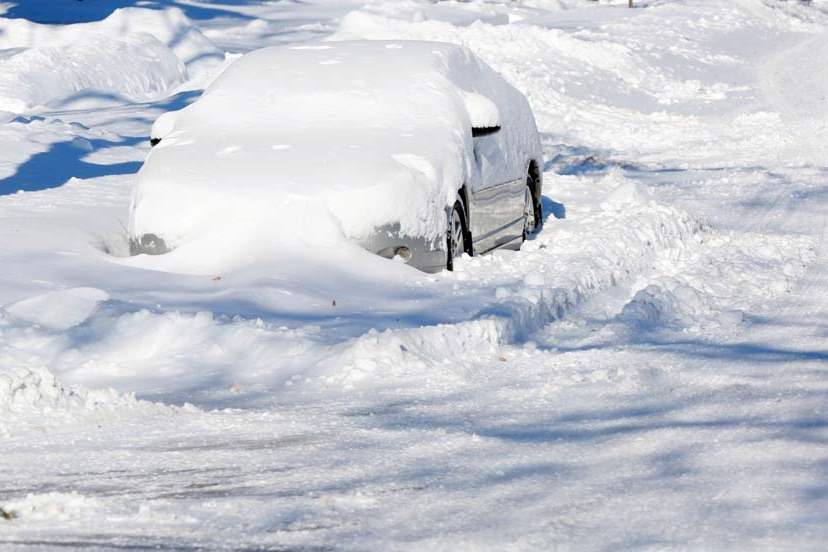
(154, 353)
(137, 67)
(428, 353)
(169, 26)
(29, 391)
(137, 54)
(33, 390)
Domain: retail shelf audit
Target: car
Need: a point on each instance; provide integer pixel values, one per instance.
(418, 151)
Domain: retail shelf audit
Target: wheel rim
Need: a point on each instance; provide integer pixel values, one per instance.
(458, 246)
(529, 222)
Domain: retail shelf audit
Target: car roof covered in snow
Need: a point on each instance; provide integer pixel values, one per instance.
(350, 83)
(338, 66)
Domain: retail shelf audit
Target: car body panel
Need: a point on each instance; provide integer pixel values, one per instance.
(425, 254)
(496, 215)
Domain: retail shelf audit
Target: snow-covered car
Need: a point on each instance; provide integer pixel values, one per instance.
(415, 150)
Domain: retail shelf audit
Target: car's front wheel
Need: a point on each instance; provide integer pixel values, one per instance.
(456, 239)
(532, 214)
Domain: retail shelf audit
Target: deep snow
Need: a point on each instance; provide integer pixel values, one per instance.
(648, 373)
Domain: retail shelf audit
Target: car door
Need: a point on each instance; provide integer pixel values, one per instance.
(497, 203)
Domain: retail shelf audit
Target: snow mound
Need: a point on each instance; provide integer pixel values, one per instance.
(58, 310)
(396, 355)
(144, 67)
(655, 307)
(154, 353)
(29, 391)
(169, 26)
(134, 53)
(50, 506)
(33, 390)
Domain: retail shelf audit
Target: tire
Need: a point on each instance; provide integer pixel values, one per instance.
(532, 210)
(457, 234)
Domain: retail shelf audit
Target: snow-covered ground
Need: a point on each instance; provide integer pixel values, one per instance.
(650, 372)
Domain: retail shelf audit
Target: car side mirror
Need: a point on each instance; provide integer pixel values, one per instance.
(162, 126)
(484, 131)
(483, 114)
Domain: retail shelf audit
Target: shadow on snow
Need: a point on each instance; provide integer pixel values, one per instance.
(64, 160)
(64, 12)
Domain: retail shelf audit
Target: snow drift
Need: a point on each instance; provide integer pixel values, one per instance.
(143, 65)
(135, 54)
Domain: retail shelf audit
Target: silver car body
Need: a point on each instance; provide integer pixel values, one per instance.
(495, 217)
(496, 214)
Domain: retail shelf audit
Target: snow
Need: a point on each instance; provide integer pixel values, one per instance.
(169, 26)
(379, 135)
(58, 506)
(26, 390)
(647, 373)
(132, 55)
(38, 76)
(58, 310)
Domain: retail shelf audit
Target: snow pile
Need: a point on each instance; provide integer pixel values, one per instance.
(28, 390)
(169, 26)
(136, 54)
(58, 310)
(38, 76)
(155, 353)
(50, 507)
(430, 352)
(25, 390)
(657, 307)
(759, 268)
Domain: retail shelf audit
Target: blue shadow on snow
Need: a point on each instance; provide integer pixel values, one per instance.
(64, 12)
(64, 160)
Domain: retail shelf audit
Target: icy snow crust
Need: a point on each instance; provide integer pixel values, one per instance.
(649, 372)
(307, 143)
